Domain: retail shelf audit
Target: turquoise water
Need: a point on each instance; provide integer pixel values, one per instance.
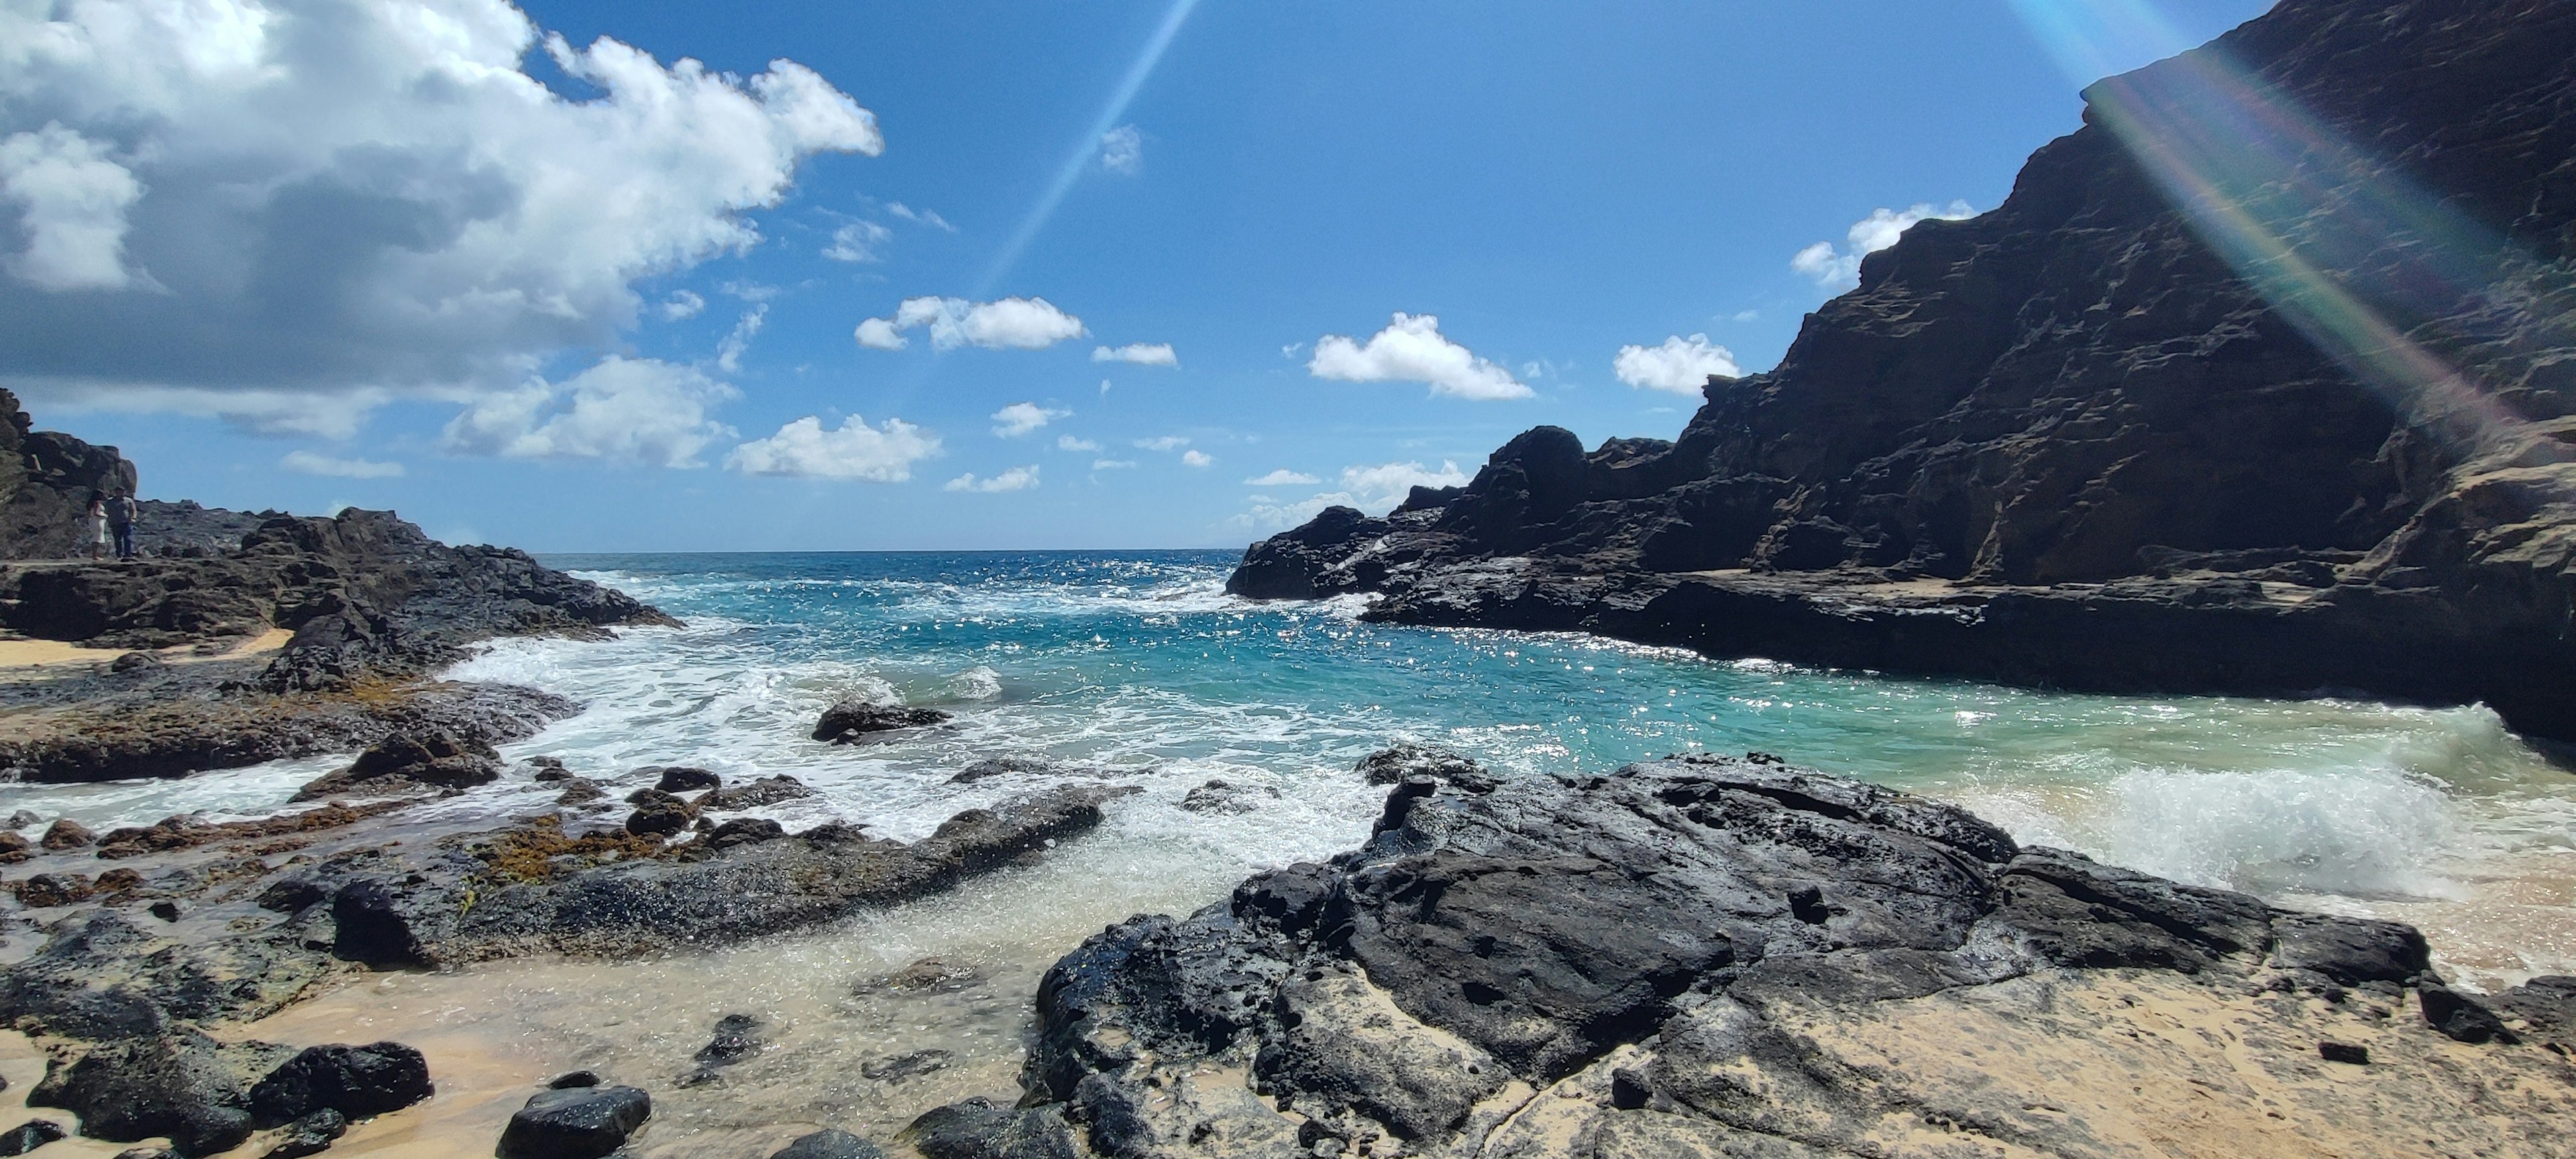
(1139, 666)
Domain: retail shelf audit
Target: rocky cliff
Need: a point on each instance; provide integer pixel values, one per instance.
(2263, 380)
(47, 480)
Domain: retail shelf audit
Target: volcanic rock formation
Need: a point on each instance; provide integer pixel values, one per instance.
(2263, 380)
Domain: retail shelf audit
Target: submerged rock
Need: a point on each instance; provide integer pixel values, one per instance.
(575, 1123)
(829, 1144)
(853, 720)
(754, 794)
(1736, 957)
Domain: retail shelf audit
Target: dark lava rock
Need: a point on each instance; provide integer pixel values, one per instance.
(1000, 766)
(43, 890)
(15, 847)
(742, 831)
(2459, 1016)
(1221, 796)
(104, 977)
(976, 1129)
(681, 779)
(1406, 761)
(30, 1135)
(737, 1037)
(572, 1079)
(853, 720)
(66, 833)
(2546, 1006)
(1653, 943)
(433, 759)
(2089, 439)
(579, 791)
(178, 1084)
(147, 1153)
(2344, 1052)
(310, 1135)
(753, 795)
(289, 894)
(658, 814)
(575, 1123)
(371, 924)
(357, 1081)
(829, 1144)
(165, 910)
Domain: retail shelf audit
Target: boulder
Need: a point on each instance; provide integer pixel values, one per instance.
(178, 1084)
(30, 1135)
(680, 779)
(658, 814)
(853, 720)
(15, 847)
(432, 759)
(575, 1123)
(1404, 761)
(754, 794)
(65, 834)
(356, 1081)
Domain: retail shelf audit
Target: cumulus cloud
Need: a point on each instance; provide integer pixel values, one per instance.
(1140, 353)
(1840, 269)
(1412, 349)
(1163, 443)
(1015, 479)
(1376, 487)
(681, 304)
(346, 196)
(1680, 365)
(857, 241)
(72, 203)
(1070, 443)
(1122, 150)
(1112, 464)
(1283, 477)
(803, 449)
(923, 216)
(309, 463)
(1020, 418)
(630, 410)
(1196, 459)
(1011, 323)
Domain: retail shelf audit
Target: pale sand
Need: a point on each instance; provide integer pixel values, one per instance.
(49, 653)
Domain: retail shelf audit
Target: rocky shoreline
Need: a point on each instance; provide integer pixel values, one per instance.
(2067, 443)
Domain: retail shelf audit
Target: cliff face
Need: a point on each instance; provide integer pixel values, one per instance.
(2278, 350)
(46, 482)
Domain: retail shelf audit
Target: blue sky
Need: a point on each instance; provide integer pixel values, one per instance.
(596, 316)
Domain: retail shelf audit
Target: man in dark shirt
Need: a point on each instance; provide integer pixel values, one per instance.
(120, 519)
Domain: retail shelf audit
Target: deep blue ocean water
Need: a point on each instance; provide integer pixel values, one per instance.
(1137, 665)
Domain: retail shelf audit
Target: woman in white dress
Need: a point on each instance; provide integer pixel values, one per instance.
(97, 527)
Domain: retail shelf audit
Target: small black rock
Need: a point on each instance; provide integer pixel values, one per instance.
(2344, 1052)
(310, 1135)
(683, 779)
(355, 1081)
(737, 1038)
(30, 1135)
(2461, 1017)
(574, 1080)
(167, 911)
(580, 1123)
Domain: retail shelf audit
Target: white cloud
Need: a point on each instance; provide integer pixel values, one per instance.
(310, 463)
(323, 414)
(729, 351)
(1122, 150)
(1680, 365)
(1411, 349)
(1744, 315)
(1163, 443)
(1140, 353)
(1196, 459)
(352, 196)
(72, 201)
(1291, 349)
(923, 216)
(803, 449)
(1020, 418)
(1070, 443)
(1369, 488)
(857, 241)
(1015, 479)
(1283, 477)
(1112, 464)
(1840, 270)
(633, 410)
(681, 304)
(1011, 323)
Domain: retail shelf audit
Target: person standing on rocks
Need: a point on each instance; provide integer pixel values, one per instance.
(97, 525)
(120, 518)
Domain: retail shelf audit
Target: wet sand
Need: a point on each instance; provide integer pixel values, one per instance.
(39, 654)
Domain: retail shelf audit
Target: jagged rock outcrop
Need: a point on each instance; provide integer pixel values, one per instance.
(1711, 956)
(47, 480)
(2205, 405)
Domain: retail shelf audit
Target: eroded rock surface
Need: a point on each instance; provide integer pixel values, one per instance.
(2068, 443)
(1705, 956)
